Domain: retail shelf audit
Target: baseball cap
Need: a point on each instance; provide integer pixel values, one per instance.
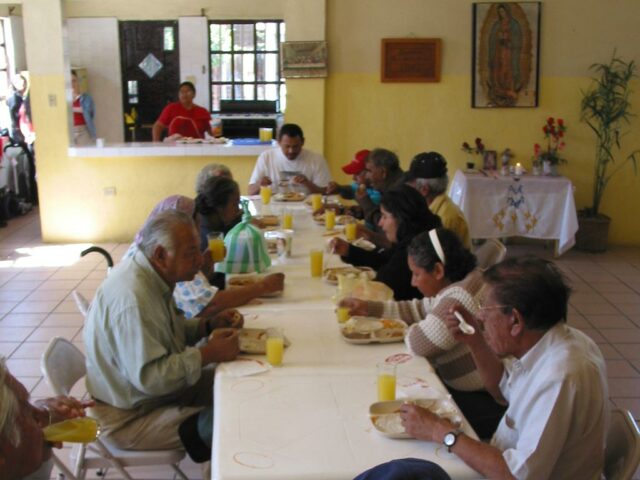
(427, 165)
(357, 164)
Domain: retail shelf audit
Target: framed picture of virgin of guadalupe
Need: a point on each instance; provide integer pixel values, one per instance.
(506, 43)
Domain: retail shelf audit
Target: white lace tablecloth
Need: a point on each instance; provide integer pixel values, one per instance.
(528, 206)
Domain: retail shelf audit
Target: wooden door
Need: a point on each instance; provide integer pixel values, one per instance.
(150, 73)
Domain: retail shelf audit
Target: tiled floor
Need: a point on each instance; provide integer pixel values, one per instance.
(36, 304)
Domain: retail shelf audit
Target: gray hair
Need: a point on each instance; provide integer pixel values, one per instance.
(211, 170)
(437, 186)
(160, 231)
(8, 408)
(381, 157)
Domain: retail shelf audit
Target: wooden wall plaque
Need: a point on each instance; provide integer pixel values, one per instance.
(410, 59)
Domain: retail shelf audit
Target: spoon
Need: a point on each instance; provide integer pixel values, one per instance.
(463, 325)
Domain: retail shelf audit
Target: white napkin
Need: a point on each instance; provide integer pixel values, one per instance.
(413, 387)
(243, 367)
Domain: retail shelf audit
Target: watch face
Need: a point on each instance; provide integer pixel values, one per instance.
(449, 439)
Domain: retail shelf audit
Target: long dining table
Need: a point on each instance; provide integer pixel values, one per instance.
(309, 418)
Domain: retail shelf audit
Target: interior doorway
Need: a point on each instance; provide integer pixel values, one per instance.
(150, 62)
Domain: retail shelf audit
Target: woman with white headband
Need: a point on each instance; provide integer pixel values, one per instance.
(445, 273)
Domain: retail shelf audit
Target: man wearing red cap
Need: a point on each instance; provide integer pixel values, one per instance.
(356, 168)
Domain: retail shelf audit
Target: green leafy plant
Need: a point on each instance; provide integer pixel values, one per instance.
(606, 109)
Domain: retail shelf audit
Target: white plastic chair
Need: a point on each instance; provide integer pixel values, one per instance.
(63, 365)
(622, 454)
(490, 252)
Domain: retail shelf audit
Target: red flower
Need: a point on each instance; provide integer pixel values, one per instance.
(545, 129)
(561, 134)
(560, 122)
(550, 121)
(536, 148)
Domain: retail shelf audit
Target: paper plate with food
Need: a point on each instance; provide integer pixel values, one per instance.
(385, 416)
(373, 330)
(243, 280)
(268, 220)
(289, 197)
(364, 244)
(331, 274)
(254, 340)
(319, 218)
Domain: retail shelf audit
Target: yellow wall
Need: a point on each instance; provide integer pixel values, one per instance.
(348, 111)
(410, 118)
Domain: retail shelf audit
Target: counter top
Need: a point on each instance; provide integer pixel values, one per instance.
(161, 149)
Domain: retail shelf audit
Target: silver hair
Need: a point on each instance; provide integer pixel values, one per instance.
(8, 408)
(208, 171)
(160, 231)
(436, 186)
(381, 157)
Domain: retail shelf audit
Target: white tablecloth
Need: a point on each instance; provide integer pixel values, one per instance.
(528, 206)
(309, 418)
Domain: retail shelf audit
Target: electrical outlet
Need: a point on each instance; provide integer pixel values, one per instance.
(109, 191)
(53, 100)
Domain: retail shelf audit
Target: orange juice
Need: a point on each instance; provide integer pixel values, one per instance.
(287, 220)
(266, 134)
(275, 349)
(216, 246)
(386, 387)
(350, 230)
(265, 194)
(330, 219)
(75, 430)
(316, 263)
(316, 202)
(343, 314)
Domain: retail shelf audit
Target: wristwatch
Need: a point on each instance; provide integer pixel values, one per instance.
(451, 438)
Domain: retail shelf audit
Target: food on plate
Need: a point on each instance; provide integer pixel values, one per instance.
(374, 329)
(319, 218)
(364, 244)
(243, 281)
(290, 197)
(254, 340)
(269, 220)
(385, 416)
(331, 274)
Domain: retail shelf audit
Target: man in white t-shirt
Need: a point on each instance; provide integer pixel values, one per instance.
(306, 171)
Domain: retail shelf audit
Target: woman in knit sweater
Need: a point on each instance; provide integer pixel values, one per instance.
(444, 272)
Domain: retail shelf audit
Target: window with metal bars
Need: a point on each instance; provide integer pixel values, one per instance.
(245, 61)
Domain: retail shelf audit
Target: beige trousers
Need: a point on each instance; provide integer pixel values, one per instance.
(154, 426)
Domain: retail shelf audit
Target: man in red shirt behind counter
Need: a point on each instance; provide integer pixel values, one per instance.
(183, 117)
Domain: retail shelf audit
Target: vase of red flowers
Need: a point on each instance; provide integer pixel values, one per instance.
(550, 157)
(477, 148)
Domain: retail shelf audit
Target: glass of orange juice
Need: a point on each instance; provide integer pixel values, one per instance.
(350, 230)
(287, 219)
(216, 246)
(330, 219)
(266, 134)
(275, 346)
(316, 202)
(265, 194)
(74, 430)
(316, 262)
(386, 382)
(343, 314)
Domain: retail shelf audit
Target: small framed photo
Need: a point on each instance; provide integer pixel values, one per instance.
(490, 160)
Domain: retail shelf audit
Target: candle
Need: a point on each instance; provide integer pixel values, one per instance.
(519, 170)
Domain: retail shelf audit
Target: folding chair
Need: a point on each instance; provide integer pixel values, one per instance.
(622, 454)
(63, 365)
(490, 252)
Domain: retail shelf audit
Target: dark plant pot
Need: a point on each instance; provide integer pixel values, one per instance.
(593, 233)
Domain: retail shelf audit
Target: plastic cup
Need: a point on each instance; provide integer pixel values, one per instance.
(75, 430)
(216, 245)
(350, 231)
(265, 194)
(287, 219)
(316, 202)
(275, 346)
(330, 219)
(100, 142)
(343, 314)
(266, 134)
(316, 262)
(386, 382)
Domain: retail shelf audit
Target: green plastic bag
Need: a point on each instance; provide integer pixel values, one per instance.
(246, 247)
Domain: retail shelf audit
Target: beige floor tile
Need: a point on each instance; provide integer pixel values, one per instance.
(67, 306)
(596, 309)
(594, 334)
(30, 350)
(33, 276)
(42, 390)
(609, 321)
(621, 335)
(28, 382)
(610, 287)
(69, 274)
(45, 334)
(6, 307)
(631, 404)
(24, 367)
(66, 285)
(624, 387)
(600, 276)
(12, 295)
(22, 319)
(578, 299)
(47, 295)
(63, 320)
(97, 275)
(623, 298)
(15, 334)
(632, 310)
(630, 351)
(578, 321)
(609, 353)
(25, 284)
(36, 307)
(7, 348)
(621, 369)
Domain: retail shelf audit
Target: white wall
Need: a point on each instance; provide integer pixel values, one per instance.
(193, 43)
(17, 34)
(93, 44)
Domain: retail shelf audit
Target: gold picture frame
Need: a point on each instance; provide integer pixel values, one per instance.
(304, 59)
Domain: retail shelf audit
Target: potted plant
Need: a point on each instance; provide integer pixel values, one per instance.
(606, 109)
(550, 157)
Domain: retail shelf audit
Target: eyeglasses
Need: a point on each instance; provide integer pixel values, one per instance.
(491, 307)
